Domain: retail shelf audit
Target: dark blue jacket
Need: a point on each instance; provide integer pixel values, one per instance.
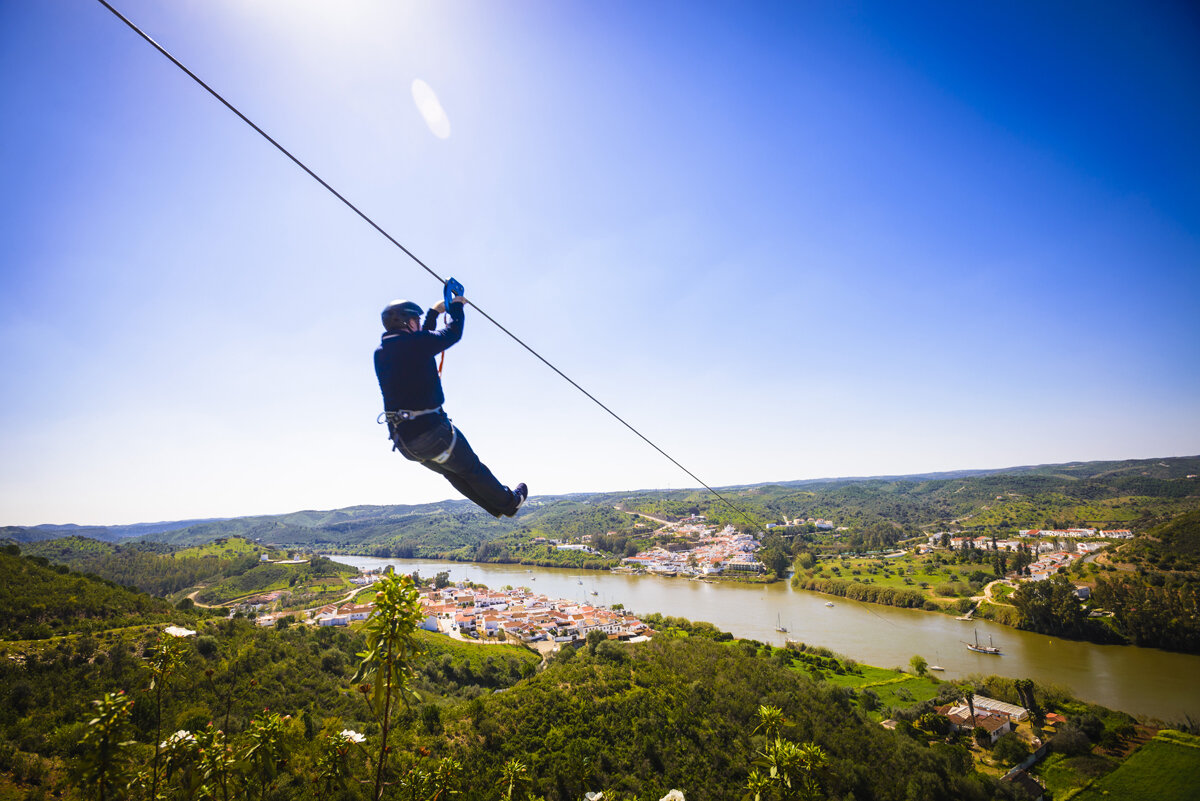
(405, 364)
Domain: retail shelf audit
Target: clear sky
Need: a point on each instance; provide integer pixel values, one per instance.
(785, 240)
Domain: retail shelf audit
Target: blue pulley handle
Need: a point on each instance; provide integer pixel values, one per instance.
(451, 289)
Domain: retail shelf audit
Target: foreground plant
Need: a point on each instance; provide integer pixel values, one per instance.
(105, 765)
(388, 662)
(166, 659)
(784, 770)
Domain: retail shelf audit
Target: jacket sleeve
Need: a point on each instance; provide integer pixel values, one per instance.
(434, 342)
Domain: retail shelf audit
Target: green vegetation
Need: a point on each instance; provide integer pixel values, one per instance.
(155, 568)
(305, 582)
(1164, 769)
(277, 713)
(38, 600)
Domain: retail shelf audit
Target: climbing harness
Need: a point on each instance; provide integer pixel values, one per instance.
(403, 415)
(393, 420)
(448, 286)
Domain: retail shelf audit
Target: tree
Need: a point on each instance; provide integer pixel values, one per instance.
(791, 769)
(1050, 606)
(105, 762)
(165, 660)
(919, 664)
(1010, 749)
(392, 647)
(513, 776)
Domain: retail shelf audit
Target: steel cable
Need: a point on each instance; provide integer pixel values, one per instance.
(413, 256)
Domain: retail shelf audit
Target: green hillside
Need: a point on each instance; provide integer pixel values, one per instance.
(153, 567)
(1136, 494)
(38, 600)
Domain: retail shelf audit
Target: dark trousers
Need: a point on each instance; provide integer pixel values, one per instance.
(460, 466)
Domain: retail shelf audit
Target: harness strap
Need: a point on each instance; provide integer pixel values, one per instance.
(396, 417)
(403, 415)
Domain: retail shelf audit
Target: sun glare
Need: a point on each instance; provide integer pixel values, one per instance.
(431, 109)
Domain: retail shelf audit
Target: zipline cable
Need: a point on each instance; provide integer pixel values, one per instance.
(411, 255)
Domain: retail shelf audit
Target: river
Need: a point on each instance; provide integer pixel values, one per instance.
(1142, 681)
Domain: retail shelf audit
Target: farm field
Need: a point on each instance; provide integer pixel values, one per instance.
(1164, 769)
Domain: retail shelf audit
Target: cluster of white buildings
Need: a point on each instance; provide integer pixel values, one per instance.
(724, 552)
(1076, 533)
(982, 543)
(994, 717)
(821, 525)
(520, 614)
(480, 612)
(1048, 564)
(328, 615)
(1048, 537)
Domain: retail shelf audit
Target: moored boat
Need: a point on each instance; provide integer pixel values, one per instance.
(983, 649)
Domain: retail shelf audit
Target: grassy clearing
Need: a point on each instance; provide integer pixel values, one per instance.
(475, 653)
(905, 693)
(233, 547)
(894, 687)
(924, 574)
(871, 675)
(1166, 769)
(1061, 773)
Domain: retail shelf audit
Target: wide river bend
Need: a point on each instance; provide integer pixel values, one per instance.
(1142, 681)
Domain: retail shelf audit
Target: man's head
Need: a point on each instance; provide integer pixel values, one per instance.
(398, 314)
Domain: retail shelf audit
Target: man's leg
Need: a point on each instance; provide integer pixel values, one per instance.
(474, 480)
(465, 488)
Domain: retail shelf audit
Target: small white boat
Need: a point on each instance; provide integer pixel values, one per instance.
(779, 625)
(936, 667)
(829, 603)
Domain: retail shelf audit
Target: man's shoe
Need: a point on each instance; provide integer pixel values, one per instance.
(519, 495)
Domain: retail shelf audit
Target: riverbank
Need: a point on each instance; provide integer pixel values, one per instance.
(1142, 681)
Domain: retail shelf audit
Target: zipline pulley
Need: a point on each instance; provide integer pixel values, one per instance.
(451, 289)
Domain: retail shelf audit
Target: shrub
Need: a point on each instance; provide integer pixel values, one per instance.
(1071, 741)
(1010, 749)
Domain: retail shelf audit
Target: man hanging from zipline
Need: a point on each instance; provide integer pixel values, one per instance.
(412, 398)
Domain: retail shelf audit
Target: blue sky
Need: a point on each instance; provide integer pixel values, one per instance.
(784, 240)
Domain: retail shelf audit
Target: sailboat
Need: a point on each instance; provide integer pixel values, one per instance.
(779, 625)
(938, 656)
(983, 649)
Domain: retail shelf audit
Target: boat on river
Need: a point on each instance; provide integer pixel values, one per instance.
(829, 603)
(983, 649)
(779, 625)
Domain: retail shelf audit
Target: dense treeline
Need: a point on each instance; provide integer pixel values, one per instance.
(681, 713)
(1157, 604)
(38, 600)
(260, 577)
(1133, 494)
(151, 567)
(1166, 616)
(858, 591)
(678, 712)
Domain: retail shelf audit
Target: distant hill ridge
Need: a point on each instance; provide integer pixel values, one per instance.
(905, 500)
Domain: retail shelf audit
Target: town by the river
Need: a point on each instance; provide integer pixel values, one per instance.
(1142, 681)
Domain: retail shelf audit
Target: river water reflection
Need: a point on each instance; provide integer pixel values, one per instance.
(1142, 681)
